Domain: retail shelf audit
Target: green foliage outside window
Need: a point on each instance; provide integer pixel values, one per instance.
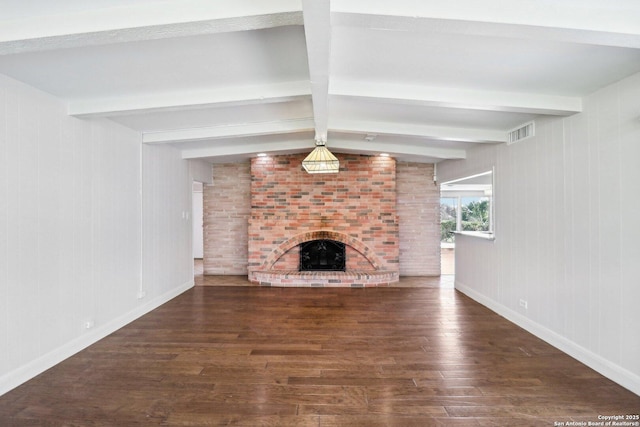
(447, 227)
(475, 216)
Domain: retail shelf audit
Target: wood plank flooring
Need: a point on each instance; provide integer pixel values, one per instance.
(255, 356)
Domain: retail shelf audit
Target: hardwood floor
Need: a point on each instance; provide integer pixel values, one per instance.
(413, 356)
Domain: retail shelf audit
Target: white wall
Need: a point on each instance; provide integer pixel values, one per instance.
(201, 171)
(567, 233)
(71, 221)
(167, 227)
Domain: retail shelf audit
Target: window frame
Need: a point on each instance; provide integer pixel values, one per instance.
(467, 189)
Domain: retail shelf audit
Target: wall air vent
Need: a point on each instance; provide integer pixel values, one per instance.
(525, 131)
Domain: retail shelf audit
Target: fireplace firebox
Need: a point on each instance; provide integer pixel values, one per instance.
(322, 255)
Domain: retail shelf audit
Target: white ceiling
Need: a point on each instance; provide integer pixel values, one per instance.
(226, 79)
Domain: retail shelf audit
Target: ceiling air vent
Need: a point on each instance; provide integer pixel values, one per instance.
(525, 131)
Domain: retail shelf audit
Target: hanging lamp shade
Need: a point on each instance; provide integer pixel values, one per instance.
(321, 160)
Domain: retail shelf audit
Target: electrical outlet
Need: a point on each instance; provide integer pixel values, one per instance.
(524, 304)
(89, 324)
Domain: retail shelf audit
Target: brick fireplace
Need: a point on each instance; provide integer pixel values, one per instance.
(353, 201)
(356, 207)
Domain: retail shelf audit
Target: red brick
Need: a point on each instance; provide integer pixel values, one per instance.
(384, 212)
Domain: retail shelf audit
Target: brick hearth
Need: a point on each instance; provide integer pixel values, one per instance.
(327, 279)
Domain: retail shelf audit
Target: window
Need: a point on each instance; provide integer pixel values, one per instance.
(466, 205)
(448, 218)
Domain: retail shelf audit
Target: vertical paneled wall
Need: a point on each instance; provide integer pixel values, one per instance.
(566, 242)
(69, 227)
(418, 206)
(167, 226)
(71, 224)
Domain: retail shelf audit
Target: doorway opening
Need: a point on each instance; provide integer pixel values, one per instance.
(198, 227)
(466, 206)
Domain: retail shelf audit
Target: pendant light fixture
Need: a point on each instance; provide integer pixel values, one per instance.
(321, 160)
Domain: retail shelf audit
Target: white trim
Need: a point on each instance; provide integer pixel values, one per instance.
(228, 131)
(227, 96)
(466, 99)
(605, 367)
(466, 178)
(26, 372)
(445, 133)
(479, 234)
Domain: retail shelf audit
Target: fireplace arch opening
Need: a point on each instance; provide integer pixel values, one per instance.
(322, 255)
(355, 249)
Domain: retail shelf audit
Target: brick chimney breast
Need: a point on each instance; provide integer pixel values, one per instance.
(357, 206)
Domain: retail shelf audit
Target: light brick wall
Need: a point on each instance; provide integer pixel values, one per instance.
(419, 219)
(359, 202)
(227, 206)
(410, 195)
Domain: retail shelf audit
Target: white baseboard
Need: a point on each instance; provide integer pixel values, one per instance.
(614, 372)
(26, 372)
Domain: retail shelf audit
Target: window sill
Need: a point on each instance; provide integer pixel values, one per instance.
(477, 234)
